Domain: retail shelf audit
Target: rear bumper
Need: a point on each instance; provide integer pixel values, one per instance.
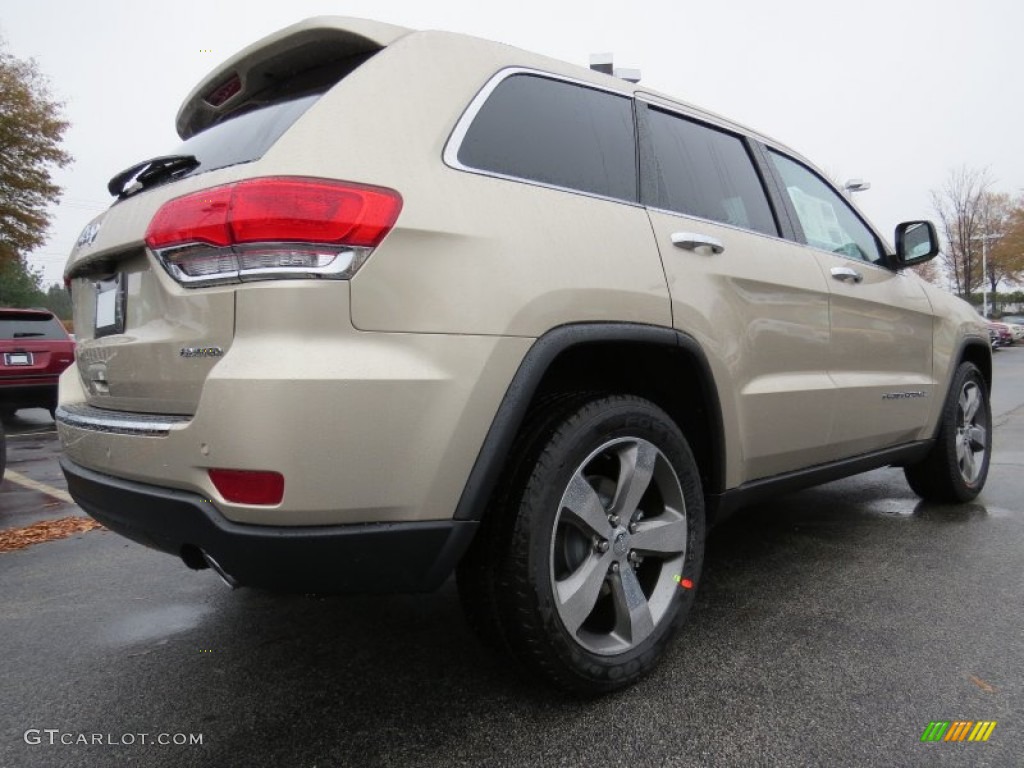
(374, 557)
(40, 392)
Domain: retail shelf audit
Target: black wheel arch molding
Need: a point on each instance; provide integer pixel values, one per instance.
(524, 387)
(970, 349)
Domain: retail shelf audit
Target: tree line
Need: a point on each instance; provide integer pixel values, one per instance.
(983, 231)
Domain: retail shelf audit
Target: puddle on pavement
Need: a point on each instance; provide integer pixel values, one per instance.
(154, 625)
(943, 513)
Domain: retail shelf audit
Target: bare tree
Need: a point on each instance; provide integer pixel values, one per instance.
(929, 271)
(960, 207)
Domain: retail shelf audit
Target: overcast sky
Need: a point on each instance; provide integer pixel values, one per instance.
(896, 92)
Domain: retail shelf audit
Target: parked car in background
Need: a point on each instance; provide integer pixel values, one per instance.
(34, 351)
(1003, 332)
(1016, 323)
(407, 303)
(993, 337)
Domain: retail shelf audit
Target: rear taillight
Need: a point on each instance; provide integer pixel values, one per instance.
(247, 487)
(272, 227)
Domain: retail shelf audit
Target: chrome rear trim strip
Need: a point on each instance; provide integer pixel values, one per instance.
(118, 422)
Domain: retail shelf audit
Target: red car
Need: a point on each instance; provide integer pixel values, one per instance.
(1003, 332)
(34, 351)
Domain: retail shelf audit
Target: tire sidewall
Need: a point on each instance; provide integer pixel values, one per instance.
(967, 372)
(633, 418)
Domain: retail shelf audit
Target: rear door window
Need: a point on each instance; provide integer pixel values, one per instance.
(705, 172)
(557, 133)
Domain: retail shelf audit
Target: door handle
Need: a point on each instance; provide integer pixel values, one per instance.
(846, 274)
(691, 241)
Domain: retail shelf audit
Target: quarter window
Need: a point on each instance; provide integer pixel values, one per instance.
(828, 222)
(556, 133)
(708, 173)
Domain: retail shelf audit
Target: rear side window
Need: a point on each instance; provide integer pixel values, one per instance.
(556, 133)
(707, 173)
(31, 326)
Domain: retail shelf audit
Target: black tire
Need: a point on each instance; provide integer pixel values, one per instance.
(956, 467)
(7, 414)
(3, 452)
(476, 575)
(590, 606)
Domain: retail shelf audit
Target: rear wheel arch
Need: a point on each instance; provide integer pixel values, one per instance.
(659, 364)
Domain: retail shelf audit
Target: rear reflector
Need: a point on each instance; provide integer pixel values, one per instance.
(242, 486)
(272, 227)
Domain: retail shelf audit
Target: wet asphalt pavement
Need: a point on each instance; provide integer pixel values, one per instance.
(830, 628)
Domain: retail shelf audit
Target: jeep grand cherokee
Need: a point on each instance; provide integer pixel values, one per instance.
(407, 303)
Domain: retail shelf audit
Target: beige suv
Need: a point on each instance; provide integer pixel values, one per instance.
(407, 303)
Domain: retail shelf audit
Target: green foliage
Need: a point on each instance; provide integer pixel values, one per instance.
(31, 130)
(58, 301)
(20, 286)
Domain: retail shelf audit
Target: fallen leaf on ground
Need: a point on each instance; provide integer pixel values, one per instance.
(48, 530)
(982, 684)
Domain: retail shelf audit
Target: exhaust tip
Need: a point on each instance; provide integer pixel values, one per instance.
(226, 577)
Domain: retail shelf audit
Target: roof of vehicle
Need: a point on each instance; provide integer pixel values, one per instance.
(262, 60)
(21, 312)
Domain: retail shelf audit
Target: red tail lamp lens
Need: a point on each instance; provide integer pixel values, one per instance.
(200, 218)
(242, 486)
(277, 210)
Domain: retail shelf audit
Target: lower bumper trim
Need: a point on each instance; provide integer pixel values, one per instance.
(362, 558)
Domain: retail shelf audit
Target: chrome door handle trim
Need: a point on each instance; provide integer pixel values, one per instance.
(847, 274)
(691, 241)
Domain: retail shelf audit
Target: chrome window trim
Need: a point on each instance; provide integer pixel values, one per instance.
(778, 238)
(712, 222)
(450, 156)
(116, 422)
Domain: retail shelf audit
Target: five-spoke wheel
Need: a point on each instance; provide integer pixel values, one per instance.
(955, 468)
(590, 562)
(619, 538)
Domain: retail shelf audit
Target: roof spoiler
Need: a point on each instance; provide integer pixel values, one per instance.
(299, 47)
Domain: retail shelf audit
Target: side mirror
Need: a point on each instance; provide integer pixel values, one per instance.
(916, 243)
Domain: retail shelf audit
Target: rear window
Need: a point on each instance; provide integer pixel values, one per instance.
(248, 131)
(25, 326)
(557, 133)
(246, 137)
